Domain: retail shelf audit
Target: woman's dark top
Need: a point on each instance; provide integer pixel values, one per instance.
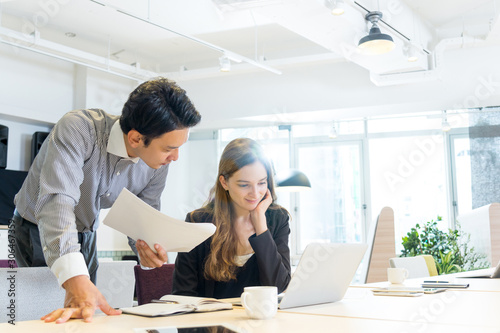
(268, 266)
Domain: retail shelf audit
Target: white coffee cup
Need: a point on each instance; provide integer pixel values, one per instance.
(397, 275)
(260, 302)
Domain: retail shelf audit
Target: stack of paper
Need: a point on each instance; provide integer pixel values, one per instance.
(138, 220)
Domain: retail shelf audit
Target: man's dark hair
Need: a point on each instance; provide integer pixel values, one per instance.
(156, 107)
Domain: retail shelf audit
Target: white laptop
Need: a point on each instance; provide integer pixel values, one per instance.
(490, 273)
(323, 274)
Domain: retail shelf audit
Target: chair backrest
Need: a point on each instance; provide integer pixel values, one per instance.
(416, 266)
(116, 282)
(35, 292)
(382, 246)
(431, 264)
(153, 283)
(483, 226)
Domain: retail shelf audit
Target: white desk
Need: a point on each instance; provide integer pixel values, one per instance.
(459, 310)
(237, 319)
(450, 308)
(475, 284)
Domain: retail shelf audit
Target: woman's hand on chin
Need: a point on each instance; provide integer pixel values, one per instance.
(258, 215)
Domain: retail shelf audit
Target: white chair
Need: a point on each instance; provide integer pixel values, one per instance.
(116, 282)
(483, 225)
(416, 266)
(34, 291)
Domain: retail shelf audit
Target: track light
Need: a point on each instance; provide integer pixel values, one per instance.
(375, 42)
(225, 64)
(445, 125)
(411, 52)
(336, 6)
(333, 132)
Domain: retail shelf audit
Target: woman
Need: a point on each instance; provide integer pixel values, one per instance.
(250, 245)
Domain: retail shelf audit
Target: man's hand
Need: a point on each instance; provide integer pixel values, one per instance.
(82, 299)
(148, 257)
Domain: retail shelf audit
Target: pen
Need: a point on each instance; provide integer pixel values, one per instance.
(164, 302)
(436, 281)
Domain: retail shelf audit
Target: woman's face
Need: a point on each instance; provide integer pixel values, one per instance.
(246, 186)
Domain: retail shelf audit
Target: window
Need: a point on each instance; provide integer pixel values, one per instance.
(462, 174)
(332, 211)
(408, 175)
(407, 163)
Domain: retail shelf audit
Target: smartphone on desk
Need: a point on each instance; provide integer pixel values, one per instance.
(443, 284)
(433, 290)
(194, 329)
(397, 293)
(406, 291)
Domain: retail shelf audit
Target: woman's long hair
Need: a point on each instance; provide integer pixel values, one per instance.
(220, 264)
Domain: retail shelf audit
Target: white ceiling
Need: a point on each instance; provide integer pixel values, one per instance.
(184, 38)
(275, 30)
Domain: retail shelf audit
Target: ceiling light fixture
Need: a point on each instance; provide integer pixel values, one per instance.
(410, 52)
(225, 64)
(375, 42)
(338, 7)
(333, 132)
(445, 125)
(292, 180)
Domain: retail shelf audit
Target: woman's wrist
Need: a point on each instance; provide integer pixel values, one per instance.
(261, 228)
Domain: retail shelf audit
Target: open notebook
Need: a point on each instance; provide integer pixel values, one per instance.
(323, 274)
(175, 304)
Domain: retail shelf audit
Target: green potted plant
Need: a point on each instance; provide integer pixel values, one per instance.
(450, 250)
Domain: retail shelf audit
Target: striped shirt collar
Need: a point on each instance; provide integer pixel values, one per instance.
(116, 143)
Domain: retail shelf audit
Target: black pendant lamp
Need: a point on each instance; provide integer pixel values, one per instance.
(375, 42)
(292, 180)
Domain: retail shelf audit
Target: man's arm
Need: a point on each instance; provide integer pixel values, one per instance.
(61, 174)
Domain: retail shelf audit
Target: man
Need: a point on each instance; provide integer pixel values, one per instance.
(88, 158)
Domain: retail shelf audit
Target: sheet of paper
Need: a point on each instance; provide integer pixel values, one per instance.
(138, 220)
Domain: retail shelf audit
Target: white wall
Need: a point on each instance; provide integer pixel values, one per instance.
(108, 92)
(34, 87)
(34, 92)
(190, 178)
